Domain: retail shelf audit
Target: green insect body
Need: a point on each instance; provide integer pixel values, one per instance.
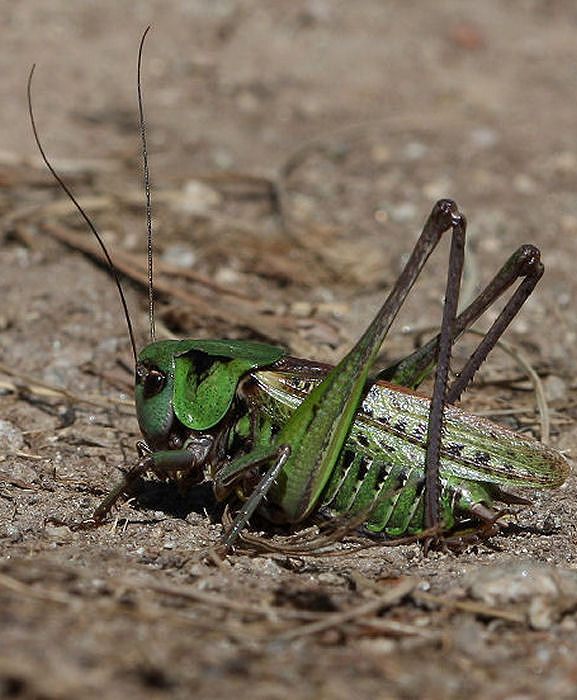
(213, 389)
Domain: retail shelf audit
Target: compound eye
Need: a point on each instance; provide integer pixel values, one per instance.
(154, 382)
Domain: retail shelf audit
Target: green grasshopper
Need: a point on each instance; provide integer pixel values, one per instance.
(292, 438)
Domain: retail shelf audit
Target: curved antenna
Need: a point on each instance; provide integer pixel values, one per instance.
(82, 213)
(146, 172)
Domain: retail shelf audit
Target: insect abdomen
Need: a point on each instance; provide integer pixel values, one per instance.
(391, 494)
(387, 493)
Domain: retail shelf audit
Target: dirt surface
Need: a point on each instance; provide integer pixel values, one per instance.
(359, 115)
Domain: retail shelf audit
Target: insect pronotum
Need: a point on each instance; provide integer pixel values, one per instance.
(293, 437)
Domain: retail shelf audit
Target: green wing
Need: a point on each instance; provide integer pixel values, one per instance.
(392, 425)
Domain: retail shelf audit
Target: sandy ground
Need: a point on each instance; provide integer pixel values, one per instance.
(362, 114)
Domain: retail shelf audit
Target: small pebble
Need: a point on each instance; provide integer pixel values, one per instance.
(403, 212)
(59, 534)
(179, 256)
(11, 437)
(484, 137)
(555, 388)
(198, 198)
(415, 150)
(524, 184)
(546, 591)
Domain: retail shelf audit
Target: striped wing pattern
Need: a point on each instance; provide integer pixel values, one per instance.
(383, 458)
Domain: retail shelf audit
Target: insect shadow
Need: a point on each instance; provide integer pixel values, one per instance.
(167, 498)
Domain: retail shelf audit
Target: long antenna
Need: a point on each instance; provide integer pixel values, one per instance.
(82, 213)
(146, 172)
